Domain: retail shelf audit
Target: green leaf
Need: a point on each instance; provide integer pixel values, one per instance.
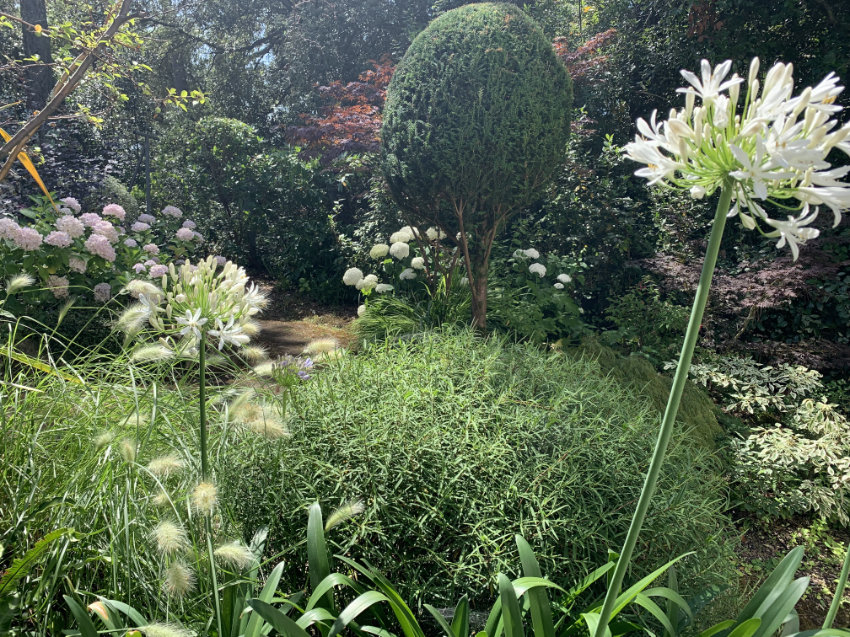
(747, 629)
(718, 628)
(84, 622)
(778, 579)
(22, 565)
(442, 623)
(541, 610)
(266, 595)
(460, 621)
(511, 616)
(317, 553)
(355, 608)
(281, 623)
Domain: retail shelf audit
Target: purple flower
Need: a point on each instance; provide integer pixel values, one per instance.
(146, 218)
(140, 226)
(185, 234)
(189, 224)
(151, 248)
(172, 211)
(9, 229)
(131, 243)
(139, 268)
(157, 271)
(58, 285)
(77, 264)
(106, 229)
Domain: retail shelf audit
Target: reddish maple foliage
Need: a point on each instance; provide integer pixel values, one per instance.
(586, 59)
(351, 122)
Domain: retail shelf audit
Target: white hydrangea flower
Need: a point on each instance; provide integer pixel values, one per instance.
(417, 263)
(367, 283)
(399, 250)
(381, 288)
(531, 253)
(772, 148)
(379, 251)
(559, 286)
(405, 235)
(360, 310)
(352, 276)
(537, 268)
(407, 274)
(564, 278)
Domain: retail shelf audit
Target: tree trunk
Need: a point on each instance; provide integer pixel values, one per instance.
(39, 78)
(479, 295)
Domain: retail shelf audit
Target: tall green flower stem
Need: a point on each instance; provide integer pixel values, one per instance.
(669, 420)
(839, 592)
(205, 470)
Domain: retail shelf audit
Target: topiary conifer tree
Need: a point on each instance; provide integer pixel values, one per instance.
(475, 124)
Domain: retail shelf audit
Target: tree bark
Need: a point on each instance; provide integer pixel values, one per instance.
(39, 77)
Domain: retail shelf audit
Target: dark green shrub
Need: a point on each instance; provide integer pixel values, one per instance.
(455, 444)
(475, 123)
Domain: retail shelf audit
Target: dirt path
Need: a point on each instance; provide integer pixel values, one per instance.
(291, 322)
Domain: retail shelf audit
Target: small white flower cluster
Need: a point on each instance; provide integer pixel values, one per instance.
(771, 148)
(195, 301)
(539, 269)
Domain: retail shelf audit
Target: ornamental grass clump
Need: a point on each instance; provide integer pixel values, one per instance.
(767, 152)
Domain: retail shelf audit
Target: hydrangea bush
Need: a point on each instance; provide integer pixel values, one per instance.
(88, 255)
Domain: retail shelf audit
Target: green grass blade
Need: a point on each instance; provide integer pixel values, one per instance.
(358, 606)
(317, 553)
(510, 608)
(460, 621)
(84, 622)
(266, 595)
(778, 579)
(322, 589)
(541, 610)
(655, 610)
(315, 616)
(22, 565)
(443, 624)
(747, 629)
(279, 622)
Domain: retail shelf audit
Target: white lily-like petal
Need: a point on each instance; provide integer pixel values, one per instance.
(837, 198)
(794, 230)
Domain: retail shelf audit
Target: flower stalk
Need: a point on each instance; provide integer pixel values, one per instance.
(669, 420)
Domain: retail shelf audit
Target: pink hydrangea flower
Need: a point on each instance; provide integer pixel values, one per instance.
(172, 211)
(99, 245)
(58, 239)
(72, 204)
(190, 224)
(185, 234)
(72, 226)
(151, 248)
(90, 218)
(102, 292)
(131, 243)
(28, 239)
(9, 229)
(139, 268)
(106, 229)
(77, 264)
(140, 226)
(157, 271)
(151, 262)
(58, 285)
(114, 210)
(146, 218)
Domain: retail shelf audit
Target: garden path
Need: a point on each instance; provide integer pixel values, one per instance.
(291, 322)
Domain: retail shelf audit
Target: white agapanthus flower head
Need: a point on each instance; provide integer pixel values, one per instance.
(767, 146)
(196, 300)
(352, 276)
(537, 268)
(399, 250)
(379, 251)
